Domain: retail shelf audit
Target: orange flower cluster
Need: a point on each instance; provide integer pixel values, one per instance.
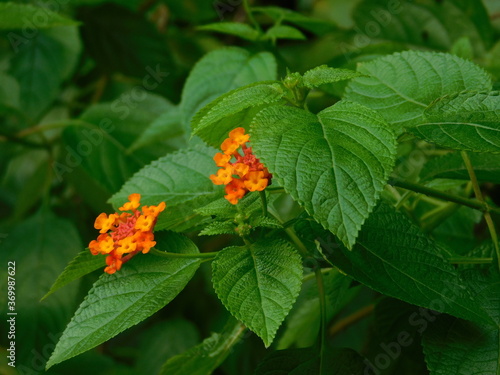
(245, 174)
(125, 233)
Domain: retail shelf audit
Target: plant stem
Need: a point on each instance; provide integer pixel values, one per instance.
(166, 254)
(481, 206)
(351, 319)
(250, 16)
(479, 196)
(296, 240)
(264, 202)
(322, 304)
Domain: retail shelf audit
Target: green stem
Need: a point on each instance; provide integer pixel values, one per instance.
(250, 16)
(479, 196)
(312, 275)
(322, 304)
(481, 206)
(263, 199)
(166, 254)
(296, 240)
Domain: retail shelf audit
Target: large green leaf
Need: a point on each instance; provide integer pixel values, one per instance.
(258, 284)
(83, 264)
(116, 302)
(40, 247)
(334, 164)
(19, 16)
(431, 24)
(465, 121)
(221, 71)
(234, 109)
(393, 257)
(204, 358)
(42, 64)
(402, 85)
(180, 180)
(455, 347)
(486, 167)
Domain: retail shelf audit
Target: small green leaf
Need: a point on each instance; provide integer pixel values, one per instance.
(221, 71)
(180, 180)
(19, 16)
(83, 264)
(284, 32)
(258, 284)
(218, 227)
(234, 109)
(119, 301)
(204, 358)
(486, 167)
(312, 24)
(238, 29)
(9, 93)
(402, 85)
(465, 121)
(403, 263)
(334, 164)
(324, 74)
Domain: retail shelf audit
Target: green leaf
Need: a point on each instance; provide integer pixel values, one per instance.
(486, 167)
(19, 16)
(204, 358)
(456, 347)
(338, 361)
(41, 64)
(234, 109)
(334, 164)
(258, 284)
(40, 247)
(166, 126)
(180, 180)
(466, 121)
(238, 29)
(324, 74)
(218, 227)
(430, 24)
(402, 85)
(393, 257)
(221, 71)
(312, 24)
(116, 302)
(83, 264)
(284, 32)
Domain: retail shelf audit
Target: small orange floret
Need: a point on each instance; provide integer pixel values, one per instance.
(133, 204)
(238, 135)
(125, 233)
(246, 174)
(221, 160)
(255, 181)
(229, 146)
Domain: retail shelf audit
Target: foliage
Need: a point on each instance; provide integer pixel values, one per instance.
(372, 246)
